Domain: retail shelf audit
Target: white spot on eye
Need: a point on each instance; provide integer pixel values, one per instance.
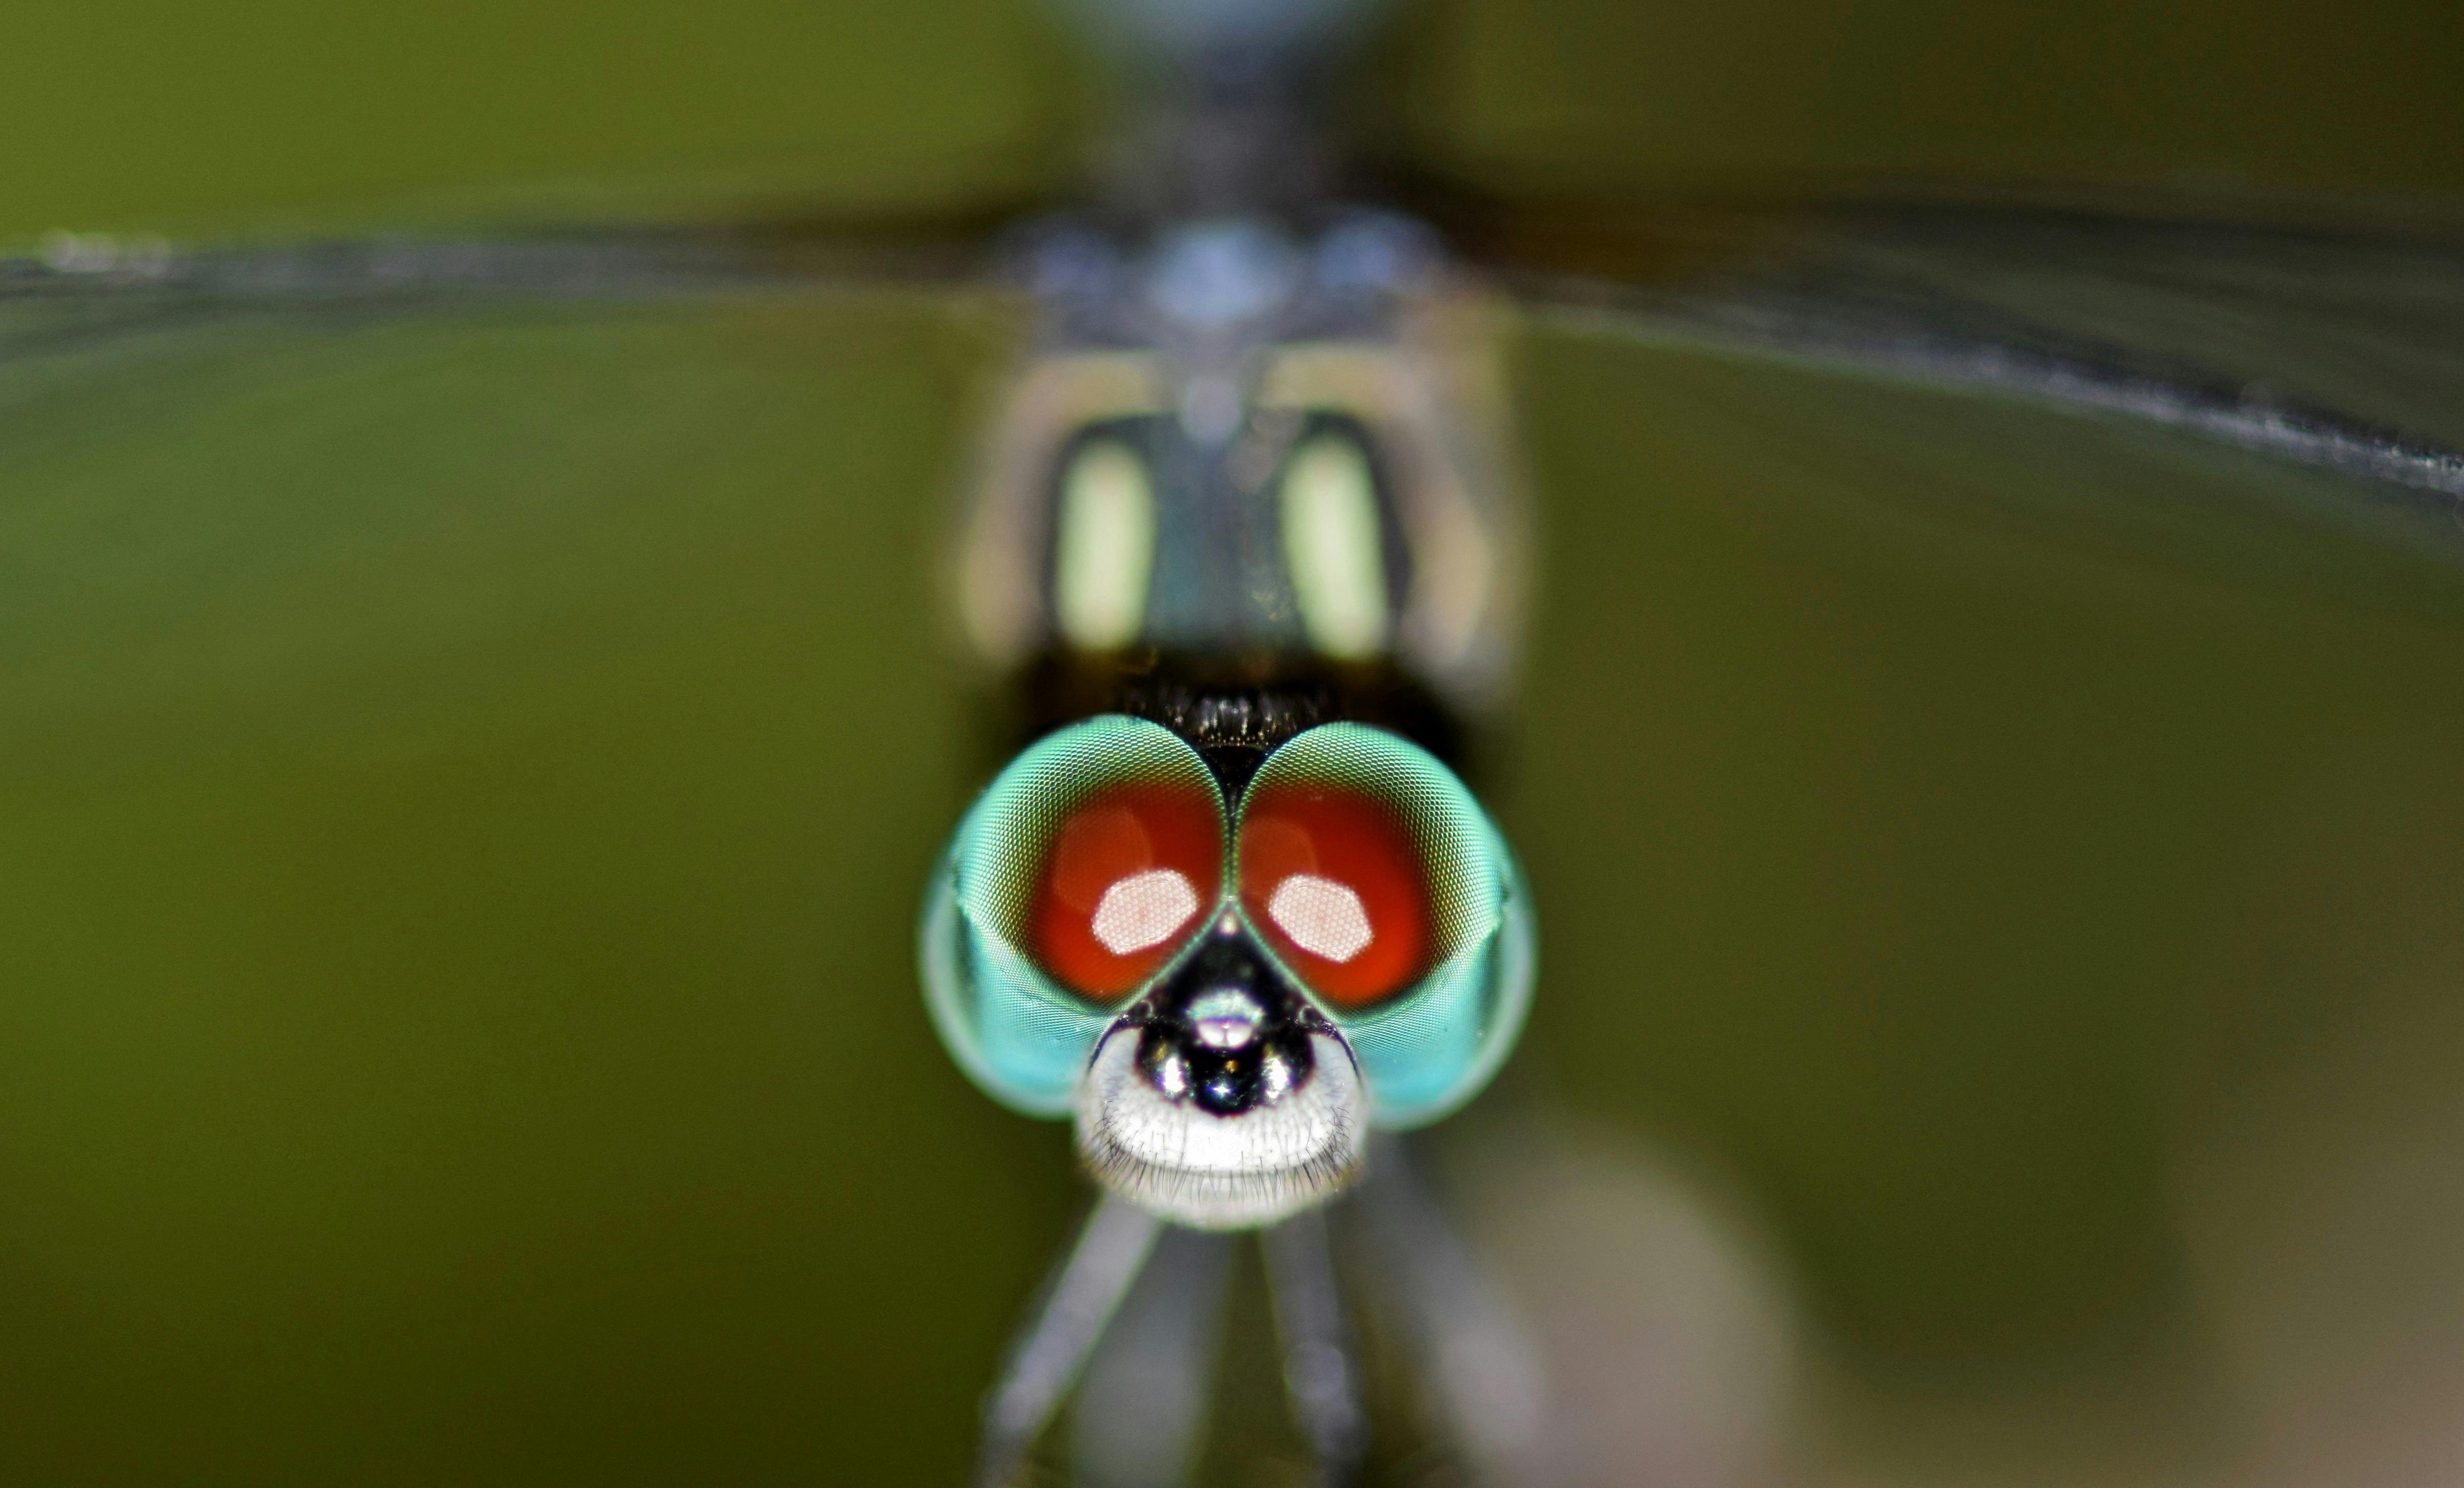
(1322, 917)
(1333, 545)
(1172, 1076)
(1143, 909)
(1104, 546)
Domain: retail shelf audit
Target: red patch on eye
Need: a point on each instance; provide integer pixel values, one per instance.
(1335, 881)
(1126, 874)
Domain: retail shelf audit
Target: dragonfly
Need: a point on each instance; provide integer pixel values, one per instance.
(1246, 537)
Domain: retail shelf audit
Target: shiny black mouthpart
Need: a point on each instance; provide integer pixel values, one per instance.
(1224, 1031)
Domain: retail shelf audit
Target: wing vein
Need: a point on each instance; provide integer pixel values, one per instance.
(2026, 365)
(2015, 361)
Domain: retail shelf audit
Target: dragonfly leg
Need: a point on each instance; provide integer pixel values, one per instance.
(1480, 1367)
(1309, 1323)
(1045, 1357)
(1143, 1402)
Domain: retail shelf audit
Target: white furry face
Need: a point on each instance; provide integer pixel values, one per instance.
(1147, 1134)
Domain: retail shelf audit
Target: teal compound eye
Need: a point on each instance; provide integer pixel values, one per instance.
(1077, 876)
(1383, 887)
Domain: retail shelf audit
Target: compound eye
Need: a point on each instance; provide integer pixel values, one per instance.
(1383, 887)
(1082, 870)
(1126, 873)
(1333, 877)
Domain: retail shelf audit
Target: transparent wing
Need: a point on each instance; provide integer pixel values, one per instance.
(118, 296)
(226, 470)
(2333, 350)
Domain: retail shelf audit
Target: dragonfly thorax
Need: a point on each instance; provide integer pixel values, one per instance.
(1233, 438)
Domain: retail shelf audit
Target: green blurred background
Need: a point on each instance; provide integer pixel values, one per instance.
(139, 114)
(469, 779)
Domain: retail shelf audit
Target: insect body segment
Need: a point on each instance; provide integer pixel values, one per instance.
(1241, 437)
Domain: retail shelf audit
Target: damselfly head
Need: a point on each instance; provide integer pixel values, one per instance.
(1228, 975)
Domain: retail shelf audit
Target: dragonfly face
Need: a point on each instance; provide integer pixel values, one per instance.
(1248, 538)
